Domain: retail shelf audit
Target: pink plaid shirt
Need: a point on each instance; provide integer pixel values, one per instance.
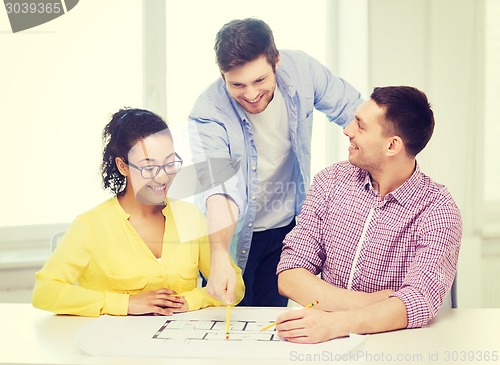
(408, 242)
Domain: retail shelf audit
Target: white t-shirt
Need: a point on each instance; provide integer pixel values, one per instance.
(276, 197)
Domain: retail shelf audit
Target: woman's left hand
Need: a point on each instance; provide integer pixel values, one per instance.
(179, 299)
(161, 302)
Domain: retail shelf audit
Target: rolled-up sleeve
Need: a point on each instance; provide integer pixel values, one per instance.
(333, 95)
(217, 173)
(432, 272)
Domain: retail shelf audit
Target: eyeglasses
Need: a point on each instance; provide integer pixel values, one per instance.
(151, 171)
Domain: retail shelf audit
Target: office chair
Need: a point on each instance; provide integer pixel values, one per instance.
(54, 240)
(454, 299)
(450, 301)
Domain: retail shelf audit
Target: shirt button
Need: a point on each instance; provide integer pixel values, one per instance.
(244, 252)
(253, 168)
(253, 198)
(250, 225)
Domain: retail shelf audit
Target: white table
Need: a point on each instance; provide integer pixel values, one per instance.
(455, 336)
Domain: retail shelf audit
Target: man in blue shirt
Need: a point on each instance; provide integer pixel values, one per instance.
(251, 130)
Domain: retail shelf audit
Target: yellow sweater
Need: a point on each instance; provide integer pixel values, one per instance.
(101, 260)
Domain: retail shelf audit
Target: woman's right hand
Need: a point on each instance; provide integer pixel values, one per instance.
(161, 301)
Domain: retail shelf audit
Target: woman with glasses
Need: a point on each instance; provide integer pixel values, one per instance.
(138, 252)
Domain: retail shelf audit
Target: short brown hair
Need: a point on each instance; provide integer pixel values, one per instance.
(244, 40)
(409, 114)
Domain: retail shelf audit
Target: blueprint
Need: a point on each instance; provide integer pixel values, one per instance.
(199, 334)
(188, 330)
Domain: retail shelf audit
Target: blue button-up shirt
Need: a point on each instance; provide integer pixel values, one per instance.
(220, 131)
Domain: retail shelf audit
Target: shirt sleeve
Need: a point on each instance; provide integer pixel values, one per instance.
(55, 284)
(217, 173)
(303, 247)
(432, 272)
(333, 95)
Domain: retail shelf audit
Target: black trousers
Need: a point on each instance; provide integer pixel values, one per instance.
(261, 281)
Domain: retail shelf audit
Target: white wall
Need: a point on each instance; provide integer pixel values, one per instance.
(435, 46)
(59, 84)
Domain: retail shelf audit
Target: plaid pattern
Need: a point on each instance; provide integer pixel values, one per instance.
(408, 242)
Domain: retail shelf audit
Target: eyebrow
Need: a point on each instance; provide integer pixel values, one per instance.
(153, 160)
(262, 77)
(359, 119)
(242, 83)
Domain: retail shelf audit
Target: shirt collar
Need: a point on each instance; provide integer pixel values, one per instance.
(403, 193)
(167, 207)
(126, 215)
(237, 107)
(119, 209)
(284, 82)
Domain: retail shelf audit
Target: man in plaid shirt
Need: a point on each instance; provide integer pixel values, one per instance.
(384, 237)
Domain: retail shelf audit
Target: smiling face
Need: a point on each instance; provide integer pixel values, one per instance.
(252, 85)
(368, 144)
(156, 149)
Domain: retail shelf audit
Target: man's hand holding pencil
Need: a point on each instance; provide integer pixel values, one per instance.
(311, 326)
(274, 323)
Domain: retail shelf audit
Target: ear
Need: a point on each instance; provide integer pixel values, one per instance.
(277, 61)
(395, 146)
(122, 166)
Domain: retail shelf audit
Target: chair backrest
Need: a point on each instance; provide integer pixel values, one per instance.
(450, 300)
(55, 239)
(453, 291)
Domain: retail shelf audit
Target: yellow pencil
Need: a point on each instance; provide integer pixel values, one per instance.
(228, 320)
(274, 323)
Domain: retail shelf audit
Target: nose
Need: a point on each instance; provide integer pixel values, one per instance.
(251, 93)
(348, 129)
(163, 177)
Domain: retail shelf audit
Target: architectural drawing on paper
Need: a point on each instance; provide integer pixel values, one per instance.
(190, 330)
